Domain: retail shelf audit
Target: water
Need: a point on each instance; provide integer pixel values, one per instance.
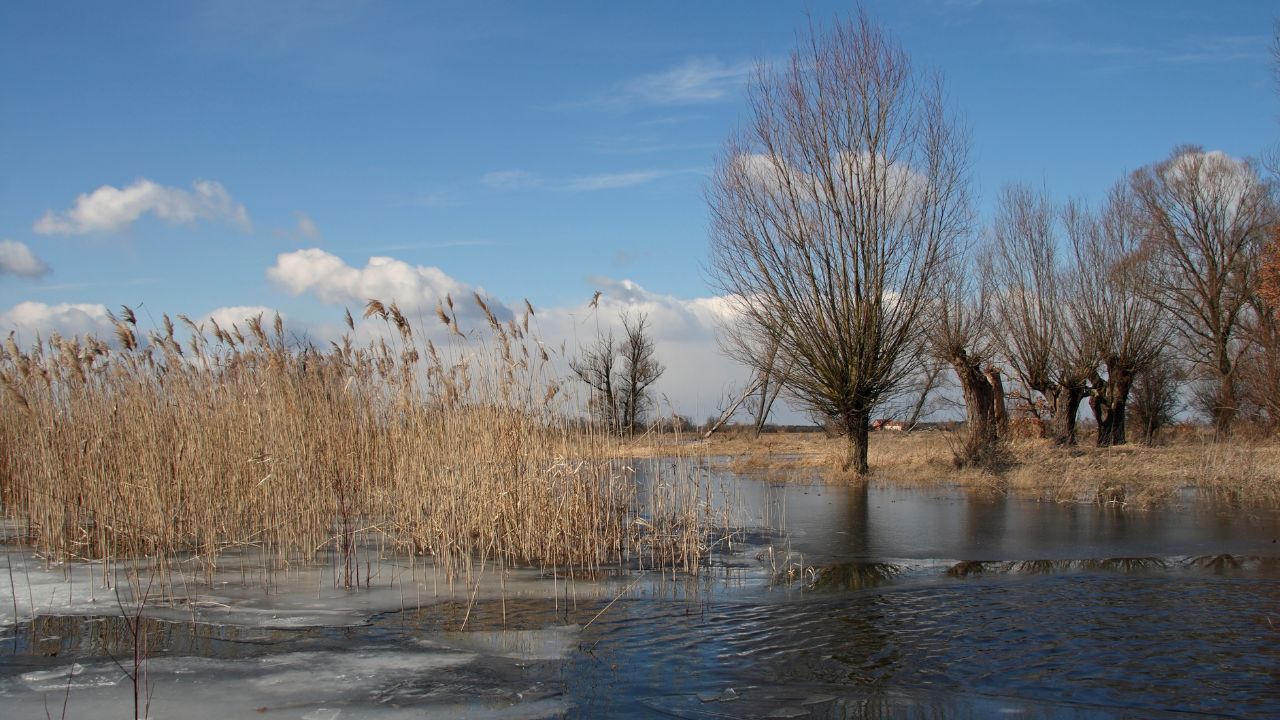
(831, 603)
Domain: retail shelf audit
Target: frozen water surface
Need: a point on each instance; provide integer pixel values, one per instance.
(831, 602)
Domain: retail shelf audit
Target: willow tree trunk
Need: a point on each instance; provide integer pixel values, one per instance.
(1002, 412)
(982, 411)
(1108, 403)
(1064, 404)
(857, 426)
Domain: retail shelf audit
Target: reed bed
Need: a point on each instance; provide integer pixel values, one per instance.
(191, 441)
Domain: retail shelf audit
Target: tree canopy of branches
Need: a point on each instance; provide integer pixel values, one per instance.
(832, 213)
(1122, 330)
(1032, 290)
(1206, 216)
(619, 374)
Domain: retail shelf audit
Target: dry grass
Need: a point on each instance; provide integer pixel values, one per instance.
(468, 453)
(1243, 471)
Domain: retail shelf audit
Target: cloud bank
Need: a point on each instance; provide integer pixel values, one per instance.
(31, 318)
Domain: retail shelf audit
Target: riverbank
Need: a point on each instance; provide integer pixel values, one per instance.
(1245, 472)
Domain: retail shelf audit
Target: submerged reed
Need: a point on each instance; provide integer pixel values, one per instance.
(234, 438)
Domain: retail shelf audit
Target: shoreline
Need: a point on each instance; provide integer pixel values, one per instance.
(1241, 472)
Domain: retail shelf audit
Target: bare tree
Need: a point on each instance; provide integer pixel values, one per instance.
(744, 342)
(1122, 329)
(922, 391)
(961, 335)
(831, 214)
(1155, 397)
(639, 370)
(1259, 367)
(1206, 216)
(596, 369)
(1031, 291)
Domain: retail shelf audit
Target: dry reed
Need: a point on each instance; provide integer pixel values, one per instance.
(164, 446)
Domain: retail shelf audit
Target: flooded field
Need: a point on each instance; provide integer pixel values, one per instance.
(825, 602)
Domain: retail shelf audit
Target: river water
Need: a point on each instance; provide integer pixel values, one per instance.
(830, 602)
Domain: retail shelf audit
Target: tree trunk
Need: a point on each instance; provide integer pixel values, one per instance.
(857, 427)
(980, 411)
(997, 400)
(1064, 402)
(1224, 406)
(1108, 402)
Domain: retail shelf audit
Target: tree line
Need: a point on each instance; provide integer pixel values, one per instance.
(844, 229)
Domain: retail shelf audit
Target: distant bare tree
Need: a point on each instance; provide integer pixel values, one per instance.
(1155, 398)
(596, 369)
(961, 335)
(1030, 295)
(639, 369)
(1206, 216)
(831, 215)
(1122, 329)
(744, 342)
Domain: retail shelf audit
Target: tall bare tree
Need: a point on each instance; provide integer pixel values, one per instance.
(1122, 329)
(832, 213)
(1030, 294)
(961, 335)
(1206, 216)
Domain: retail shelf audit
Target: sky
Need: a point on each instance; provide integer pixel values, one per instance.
(222, 158)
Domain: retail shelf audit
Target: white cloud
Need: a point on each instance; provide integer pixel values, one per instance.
(111, 209)
(31, 318)
(416, 288)
(521, 180)
(1216, 179)
(684, 333)
(510, 179)
(239, 314)
(694, 81)
(17, 259)
(768, 176)
(614, 181)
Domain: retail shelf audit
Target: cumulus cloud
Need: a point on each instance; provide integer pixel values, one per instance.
(416, 288)
(111, 209)
(1215, 179)
(31, 318)
(17, 259)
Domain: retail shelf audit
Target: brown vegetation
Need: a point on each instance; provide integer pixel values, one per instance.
(1242, 471)
(468, 452)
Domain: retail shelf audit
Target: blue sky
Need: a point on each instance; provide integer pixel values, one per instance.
(532, 149)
